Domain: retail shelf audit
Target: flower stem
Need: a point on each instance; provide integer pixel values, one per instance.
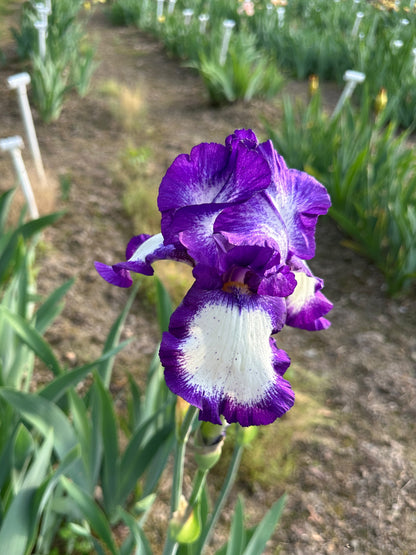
(198, 487)
(180, 456)
(171, 545)
(225, 491)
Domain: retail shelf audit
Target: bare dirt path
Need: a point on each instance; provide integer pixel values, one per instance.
(349, 468)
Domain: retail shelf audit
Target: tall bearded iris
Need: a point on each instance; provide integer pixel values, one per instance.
(246, 224)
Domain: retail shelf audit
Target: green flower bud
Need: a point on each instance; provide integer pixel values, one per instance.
(185, 528)
(246, 435)
(208, 445)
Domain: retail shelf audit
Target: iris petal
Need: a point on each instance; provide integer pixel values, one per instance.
(299, 198)
(141, 251)
(306, 306)
(255, 222)
(211, 178)
(218, 356)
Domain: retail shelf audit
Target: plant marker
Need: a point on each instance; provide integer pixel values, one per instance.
(357, 22)
(159, 10)
(414, 62)
(43, 12)
(14, 146)
(412, 4)
(19, 82)
(352, 79)
(281, 16)
(228, 25)
(397, 44)
(203, 20)
(187, 14)
(171, 6)
(41, 28)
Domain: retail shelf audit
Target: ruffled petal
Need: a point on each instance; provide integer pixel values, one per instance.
(210, 178)
(193, 227)
(218, 356)
(247, 136)
(306, 306)
(299, 199)
(141, 251)
(115, 276)
(255, 222)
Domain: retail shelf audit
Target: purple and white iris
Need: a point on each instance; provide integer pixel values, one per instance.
(246, 224)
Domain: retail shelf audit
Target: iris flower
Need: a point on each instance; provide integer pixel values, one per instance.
(246, 225)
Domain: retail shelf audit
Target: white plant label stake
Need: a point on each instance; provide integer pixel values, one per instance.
(18, 82)
(159, 10)
(187, 14)
(203, 20)
(357, 22)
(13, 145)
(352, 79)
(43, 12)
(171, 6)
(281, 16)
(228, 25)
(41, 28)
(414, 62)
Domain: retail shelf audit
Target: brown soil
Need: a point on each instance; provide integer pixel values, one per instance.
(352, 487)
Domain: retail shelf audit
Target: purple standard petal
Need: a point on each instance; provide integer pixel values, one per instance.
(141, 252)
(212, 176)
(115, 276)
(255, 222)
(247, 136)
(306, 306)
(218, 356)
(193, 227)
(299, 198)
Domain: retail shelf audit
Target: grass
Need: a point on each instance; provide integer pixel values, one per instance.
(125, 103)
(273, 457)
(11, 10)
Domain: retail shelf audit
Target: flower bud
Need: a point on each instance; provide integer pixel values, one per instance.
(381, 101)
(208, 445)
(181, 408)
(246, 435)
(313, 84)
(185, 528)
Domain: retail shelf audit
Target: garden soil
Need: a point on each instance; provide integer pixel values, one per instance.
(348, 463)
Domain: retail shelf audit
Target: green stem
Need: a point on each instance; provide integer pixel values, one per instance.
(182, 440)
(198, 487)
(225, 491)
(171, 546)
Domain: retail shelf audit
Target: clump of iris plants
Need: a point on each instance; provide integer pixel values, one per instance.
(246, 224)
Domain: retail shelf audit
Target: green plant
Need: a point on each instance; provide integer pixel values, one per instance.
(50, 85)
(68, 62)
(370, 173)
(26, 36)
(52, 460)
(82, 70)
(247, 72)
